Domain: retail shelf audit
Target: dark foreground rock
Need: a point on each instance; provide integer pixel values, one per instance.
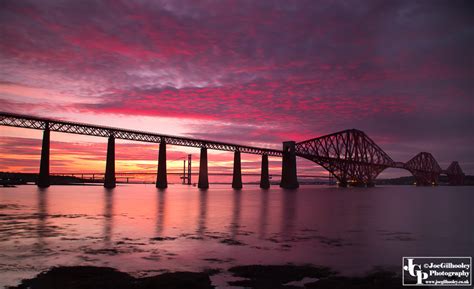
(275, 276)
(88, 277)
(375, 280)
(278, 277)
(254, 276)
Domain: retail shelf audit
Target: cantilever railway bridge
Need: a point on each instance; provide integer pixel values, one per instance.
(350, 155)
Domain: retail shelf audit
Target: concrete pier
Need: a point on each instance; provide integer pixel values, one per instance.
(289, 179)
(203, 174)
(161, 178)
(264, 177)
(43, 177)
(237, 173)
(109, 179)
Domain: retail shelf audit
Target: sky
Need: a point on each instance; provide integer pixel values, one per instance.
(248, 72)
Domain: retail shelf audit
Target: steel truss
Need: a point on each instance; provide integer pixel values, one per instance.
(424, 168)
(17, 120)
(455, 174)
(350, 155)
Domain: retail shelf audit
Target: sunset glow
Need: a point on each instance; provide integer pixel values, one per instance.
(255, 73)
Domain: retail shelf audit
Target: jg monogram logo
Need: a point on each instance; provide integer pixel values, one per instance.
(437, 271)
(415, 271)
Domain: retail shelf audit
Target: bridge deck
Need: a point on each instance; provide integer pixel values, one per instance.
(25, 121)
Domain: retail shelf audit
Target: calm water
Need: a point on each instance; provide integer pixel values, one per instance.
(140, 230)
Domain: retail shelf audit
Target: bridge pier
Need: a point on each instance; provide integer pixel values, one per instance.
(109, 179)
(203, 182)
(237, 173)
(289, 178)
(342, 184)
(426, 179)
(161, 178)
(264, 177)
(43, 177)
(456, 180)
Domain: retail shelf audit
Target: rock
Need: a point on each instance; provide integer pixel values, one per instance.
(375, 280)
(176, 280)
(89, 277)
(163, 238)
(275, 276)
(232, 242)
(78, 277)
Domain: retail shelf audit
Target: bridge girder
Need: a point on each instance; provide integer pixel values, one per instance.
(424, 168)
(350, 155)
(16, 120)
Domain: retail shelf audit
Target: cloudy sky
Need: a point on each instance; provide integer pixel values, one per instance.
(250, 72)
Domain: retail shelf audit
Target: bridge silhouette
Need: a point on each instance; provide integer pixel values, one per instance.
(350, 155)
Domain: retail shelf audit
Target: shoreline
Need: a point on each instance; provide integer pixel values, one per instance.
(244, 276)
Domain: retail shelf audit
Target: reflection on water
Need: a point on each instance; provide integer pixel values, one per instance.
(235, 222)
(42, 229)
(160, 219)
(351, 230)
(288, 212)
(202, 213)
(263, 218)
(108, 215)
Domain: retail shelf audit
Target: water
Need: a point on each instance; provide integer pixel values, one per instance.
(143, 231)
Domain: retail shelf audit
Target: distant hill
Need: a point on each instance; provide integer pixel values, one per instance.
(443, 180)
(24, 178)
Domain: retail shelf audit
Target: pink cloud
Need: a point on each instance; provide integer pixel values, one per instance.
(270, 70)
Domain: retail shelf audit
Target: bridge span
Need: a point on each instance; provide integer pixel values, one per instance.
(350, 155)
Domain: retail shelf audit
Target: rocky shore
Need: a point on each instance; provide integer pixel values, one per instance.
(249, 276)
